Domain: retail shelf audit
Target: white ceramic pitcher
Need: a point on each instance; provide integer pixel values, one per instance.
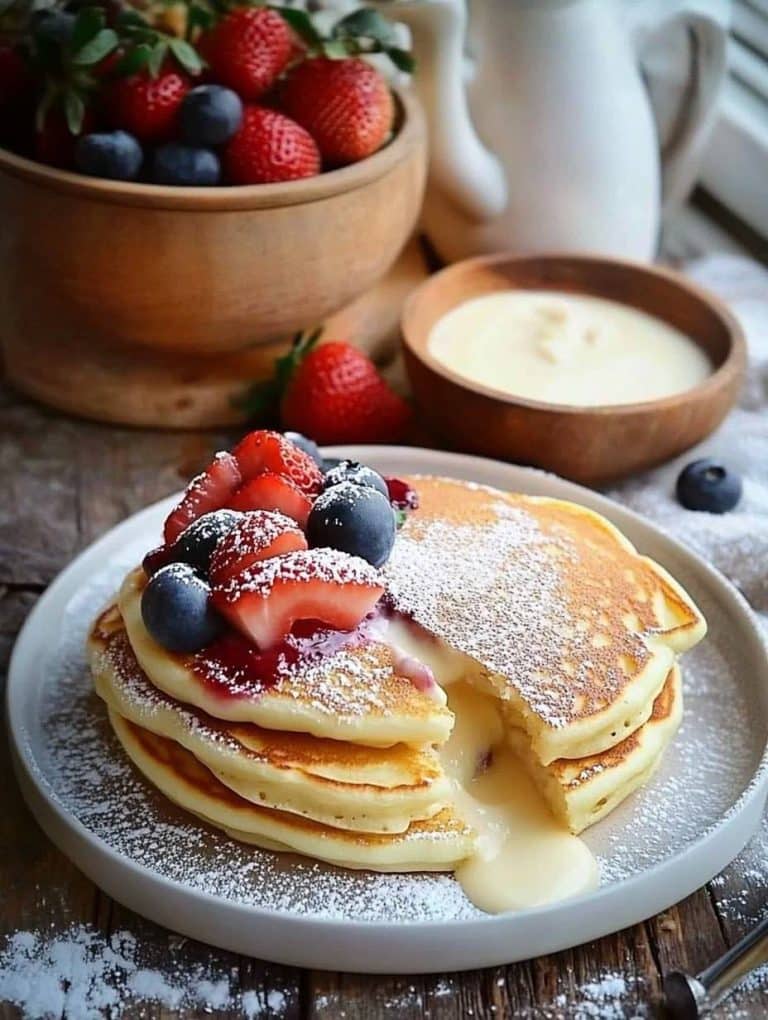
(569, 158)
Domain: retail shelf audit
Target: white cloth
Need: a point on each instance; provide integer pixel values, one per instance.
(736, 542)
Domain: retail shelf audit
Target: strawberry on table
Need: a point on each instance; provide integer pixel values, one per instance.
(211, 490)
(248, 49)
(335, 395)
(264, 450)
(269, 147)
(147, 106)
(346, 105)
(267, 598)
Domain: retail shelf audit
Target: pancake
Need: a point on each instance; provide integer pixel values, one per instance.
(562, 618)
(437, 844)
(334, 782)
(352, 693)
(582, 791)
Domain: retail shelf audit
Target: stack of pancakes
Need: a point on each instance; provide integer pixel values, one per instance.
(540, 604)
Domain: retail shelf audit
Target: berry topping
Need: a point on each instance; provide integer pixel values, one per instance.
(268, 148)
(211, 490)
(257, 535)
(401, 495)
(248, 49)
(265, 451)
(355, 519)
(269, 491)
(708, 485)
(157, 558)
(195, 545)
(177, 610)
(266, 599)
(358, 474)
(309, 446)
(346, 105)
(185, 166)
(113, 154)
(210, 115)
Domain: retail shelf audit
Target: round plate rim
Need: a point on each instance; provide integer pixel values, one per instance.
(64, 828)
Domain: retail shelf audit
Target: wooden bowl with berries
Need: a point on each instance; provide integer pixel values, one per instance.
(180, 193)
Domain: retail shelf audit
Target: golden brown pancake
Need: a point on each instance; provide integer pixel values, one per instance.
(568, 625)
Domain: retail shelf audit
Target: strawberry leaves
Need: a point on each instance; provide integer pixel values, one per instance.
(361, 32)
(146, 47)
(65, 49)
(262, 400)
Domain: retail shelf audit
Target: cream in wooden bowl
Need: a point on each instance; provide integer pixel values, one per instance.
(590, 367)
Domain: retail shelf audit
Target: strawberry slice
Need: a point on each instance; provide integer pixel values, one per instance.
(263, 451)
(267, 598)
(258, 535)
(210, 490)
(272, 492)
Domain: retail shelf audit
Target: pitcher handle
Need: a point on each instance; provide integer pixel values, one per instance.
(706, 23)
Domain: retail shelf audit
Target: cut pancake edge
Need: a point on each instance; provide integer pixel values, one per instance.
(582, 792)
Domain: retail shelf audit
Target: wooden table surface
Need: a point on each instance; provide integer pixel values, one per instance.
(65, 482)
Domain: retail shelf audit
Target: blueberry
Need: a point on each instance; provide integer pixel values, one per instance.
(185, 165)
(210, 115)
(708, 485)
(176, 609)
(113, 154)
(309, 446)
(354, 518)
(54, 26)
(196, 543)
(329, 463)
(358, 474)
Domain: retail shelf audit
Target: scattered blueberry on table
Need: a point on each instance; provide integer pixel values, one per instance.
(708, 485)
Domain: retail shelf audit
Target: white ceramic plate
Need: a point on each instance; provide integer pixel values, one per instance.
(661, 845)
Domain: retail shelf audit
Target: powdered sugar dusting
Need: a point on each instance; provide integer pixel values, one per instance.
(705, 770)
(329, 566)
(524, 596)
(84, 975)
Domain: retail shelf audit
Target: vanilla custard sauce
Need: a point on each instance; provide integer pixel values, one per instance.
(564, 348)
(524, 858)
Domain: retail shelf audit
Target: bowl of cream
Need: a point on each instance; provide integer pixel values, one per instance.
(593, 368)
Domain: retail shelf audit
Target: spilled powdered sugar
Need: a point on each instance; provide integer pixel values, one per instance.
(84, 769)
(83, 975)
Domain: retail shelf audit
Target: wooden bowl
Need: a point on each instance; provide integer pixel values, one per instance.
(586, 444)
(152, 305)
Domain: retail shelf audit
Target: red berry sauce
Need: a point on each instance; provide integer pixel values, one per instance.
(401, 495)
(233, 667)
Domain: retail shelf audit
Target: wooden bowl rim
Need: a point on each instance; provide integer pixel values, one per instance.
(409, 134)
(733, 365)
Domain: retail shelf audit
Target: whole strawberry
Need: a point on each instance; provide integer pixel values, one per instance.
(146, 107)
(336, 396)
(269, 147)
(346, 106)
(247, 50)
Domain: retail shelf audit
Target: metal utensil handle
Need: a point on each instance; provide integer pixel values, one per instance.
(722, 977)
